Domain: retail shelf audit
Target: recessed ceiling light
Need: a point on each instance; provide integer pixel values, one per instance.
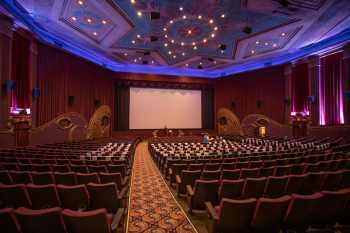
(257, 42)
(89, 20)
(132, 1)
(211, 21)
(172, 41)
(215, 28)
(165, 44)
(181, 8)
(138, 36)
(152, 62)
(139, 13)
(95, 33)
(283, 34)
(104, 21)
(195, 47)
(166, 36)
(252, 51)
(199, 17)
(135, 60)
(266, 43)
(189, 32)
(125, 54)
(204, 40)
(183, 54)
(169, 52)
(182, 43)
(171, 21)
(215, 62)
(133, 41)
(200, 63)
(80, 2)
(223, 16)
(212, 35)
(184, 17)
(174, 56)
(164, 29)
(140, 58)
(186, 65)
(74, 18)
(274, 45)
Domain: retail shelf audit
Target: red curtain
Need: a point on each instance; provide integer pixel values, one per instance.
(21, 96)
(61, 75)
(331, 90)
(300, 88)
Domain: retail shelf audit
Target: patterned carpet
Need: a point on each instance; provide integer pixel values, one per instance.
(152, 206)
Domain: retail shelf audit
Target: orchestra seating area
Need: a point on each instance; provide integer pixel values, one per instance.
(78, 187)
(260, 185)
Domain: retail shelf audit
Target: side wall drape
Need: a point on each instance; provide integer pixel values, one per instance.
(300, 88)
(331, 90)
(208, 108)
(61, 75)
(21, 96)
(122, 108)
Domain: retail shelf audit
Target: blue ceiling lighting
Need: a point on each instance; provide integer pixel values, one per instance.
(184, 46)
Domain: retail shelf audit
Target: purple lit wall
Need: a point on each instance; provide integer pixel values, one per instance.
(331, 90)
(300, 89)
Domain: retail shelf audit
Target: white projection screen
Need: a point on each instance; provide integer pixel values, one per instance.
(154, 108)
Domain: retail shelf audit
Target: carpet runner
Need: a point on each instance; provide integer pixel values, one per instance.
(152, 206)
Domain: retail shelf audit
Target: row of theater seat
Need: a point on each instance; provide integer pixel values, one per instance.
(260, 163)
(77, 197)
(294, 213)
(215, 190)
(62, 161)
(122, 168)
(64, 178)
(56, 220)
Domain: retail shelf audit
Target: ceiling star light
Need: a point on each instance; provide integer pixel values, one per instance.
(139, 13)
(169, 52)
(212, 35)
(94, 33)
(166, 36)
(184, 17)
(182, 43)
(274, 45)
(135, 60)
(193, 43)
(183, 54)
(174, 56)
(132, 1)
(138, 36)
(172, 41)
(133, 41)
(125, 54)
(152, 62)
(164, 29)
(211, 21)
(80, 2)
(215, 28)
(186, 65)
(252, 51)
(195, 47)
(223, 16)
(204, 40)
(181, 8)
(199, 17)
(283, 34)
(171, 21)
(104, 22)
(89, 20)
(74, 18)
(189, 32)
(257, 42)
(166, 45)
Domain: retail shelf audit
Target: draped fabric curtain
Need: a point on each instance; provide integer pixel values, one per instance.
(61, 75)
(331, 90)
(122, 101)
(21, 96)
(207, 108)
(300, 88)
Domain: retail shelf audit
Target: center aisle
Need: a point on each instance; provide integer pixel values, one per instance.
(152, 206)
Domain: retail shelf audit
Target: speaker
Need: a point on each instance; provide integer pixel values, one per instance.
(247, 30)
(311, 99)
(71, 99)
(259, 103)
(155, 15)
(97, 103)
(154, 38)
(36, 92)
(9, 85)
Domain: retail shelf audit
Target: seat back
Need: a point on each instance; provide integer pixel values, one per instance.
(249, 173)
(87, 178)
(295, 183)
(205, 190)
(19, 177)
(111, 178)
(267, 171)
(313, 183)
(41, 178)
(94, 221)
(332, 180)
(211, 175)
(276, 186)
(231, 189)
(300, 210)
(40, 221)
(8, 221)
(14, 196)
(254, 187)
(188, 178)
(269, 214)
(43, 196)
(74, 197)
(5, 178)
(65, 178)
(241, 211)
(104, 196)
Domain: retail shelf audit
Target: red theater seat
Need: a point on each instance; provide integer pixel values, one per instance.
(73, 197)
(8, 221)
(43, 196)
(14, 196)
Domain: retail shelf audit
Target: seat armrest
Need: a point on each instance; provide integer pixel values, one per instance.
(178, 179)
(211, 211)
(170, 171)
(117, 219)
(189, 190)
(122, 193)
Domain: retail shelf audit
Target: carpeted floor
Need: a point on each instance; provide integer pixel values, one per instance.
(152, 206)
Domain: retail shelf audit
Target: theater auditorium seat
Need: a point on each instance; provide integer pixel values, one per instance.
(269, 214)
(43, 196)
(231, 216)
(8, 221)
(254, 187)
(276, 186)
(19, 177)
(231, 189)
(40, 221)
(74, 197)
(203, 191)
(186, 178)
(14, 196)
(65, 178)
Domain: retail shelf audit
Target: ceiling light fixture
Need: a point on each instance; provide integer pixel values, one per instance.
(139, 13)
(80, 2)
(104, 22)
